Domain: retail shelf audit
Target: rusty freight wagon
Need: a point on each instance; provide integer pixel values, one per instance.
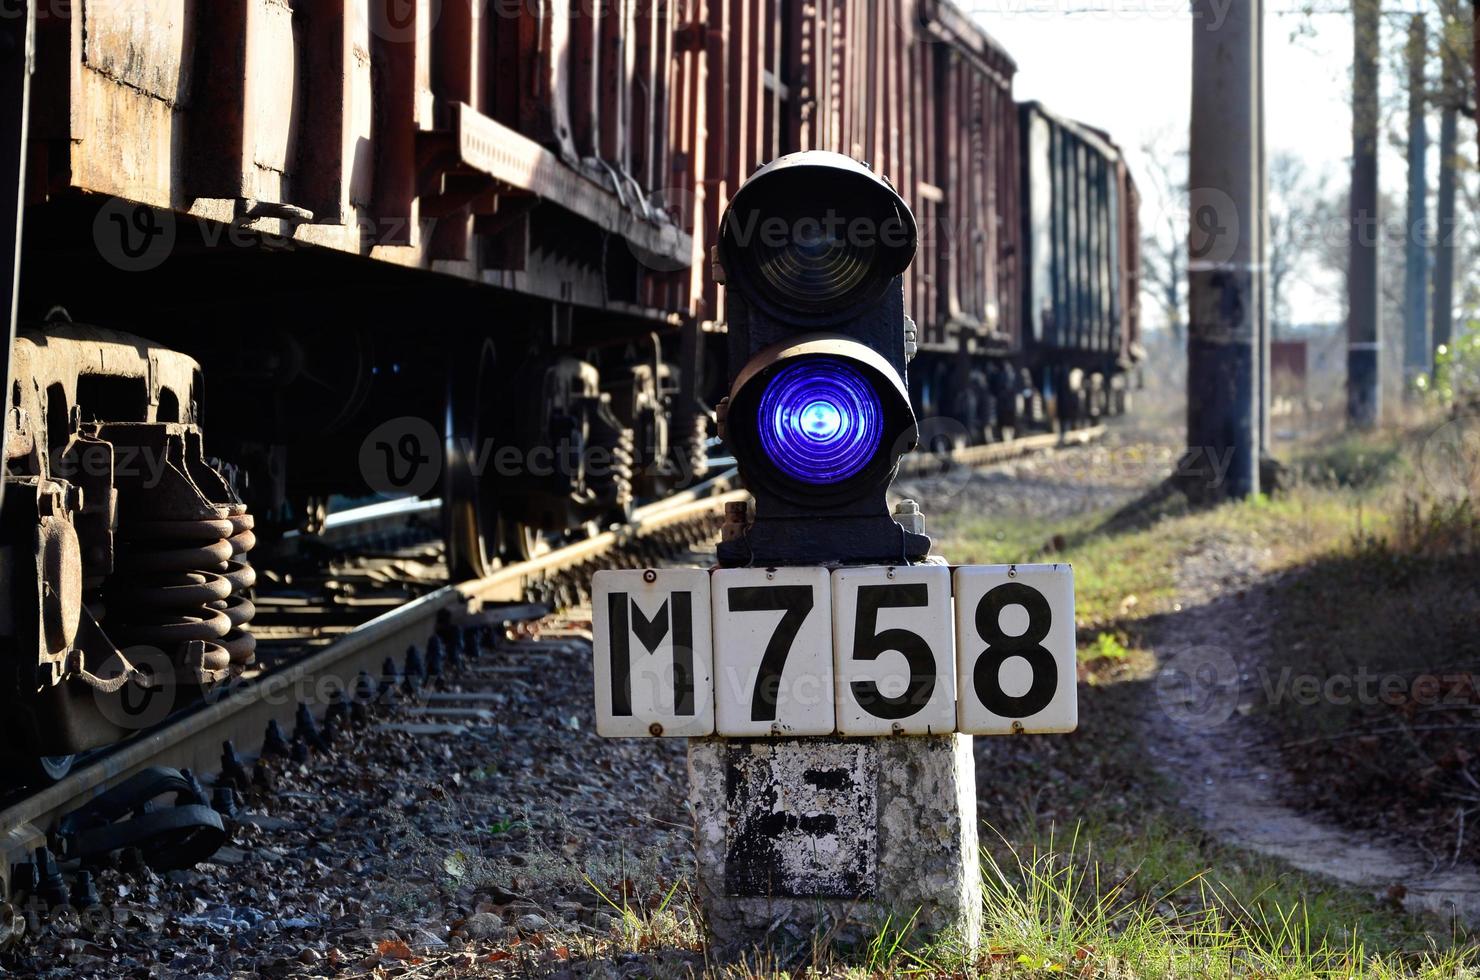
(438, 248)
(1081, 261)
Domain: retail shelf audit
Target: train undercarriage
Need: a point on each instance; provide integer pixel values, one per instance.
(546, 422)
(968, 398)
(530, 419)
(128, 585)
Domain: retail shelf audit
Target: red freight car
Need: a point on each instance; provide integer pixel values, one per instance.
(413, 246)
(545, 176)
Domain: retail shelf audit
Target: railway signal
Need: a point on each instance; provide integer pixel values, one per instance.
(828, 630)
(812, 250)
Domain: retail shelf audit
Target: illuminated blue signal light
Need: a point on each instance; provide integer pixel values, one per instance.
(821, 421)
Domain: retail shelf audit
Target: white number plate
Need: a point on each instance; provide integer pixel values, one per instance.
(1016, 659)
(894, 650)
(915, 650)
(654, 659)
(772, 651)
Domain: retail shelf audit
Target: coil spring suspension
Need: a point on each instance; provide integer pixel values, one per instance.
(697, 447)
(183, 586)
(607, 432)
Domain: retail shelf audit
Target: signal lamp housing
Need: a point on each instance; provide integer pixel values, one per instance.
(812, 250)
(815, 237)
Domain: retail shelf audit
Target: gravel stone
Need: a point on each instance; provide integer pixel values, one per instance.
(484, 925)
(532, 923)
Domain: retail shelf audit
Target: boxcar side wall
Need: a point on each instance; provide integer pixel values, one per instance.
(1081, 239)
(845, 75)
(430, 135)
(439, 135)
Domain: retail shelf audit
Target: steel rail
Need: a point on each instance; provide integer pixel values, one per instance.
(925, 463)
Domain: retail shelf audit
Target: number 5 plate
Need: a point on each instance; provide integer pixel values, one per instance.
(895, 653)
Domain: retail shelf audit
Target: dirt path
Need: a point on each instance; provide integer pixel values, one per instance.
(1201, 736)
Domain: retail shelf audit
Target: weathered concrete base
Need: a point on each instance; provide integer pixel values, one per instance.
(813, 837)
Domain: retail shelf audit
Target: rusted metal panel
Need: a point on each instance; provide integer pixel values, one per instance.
(585, 77)
(121, 142)
(490, 148)
(400, 47)
(248, 87)
(272, 105)
(460, 52)
(332, 122)
(325, 143)
(145, 44)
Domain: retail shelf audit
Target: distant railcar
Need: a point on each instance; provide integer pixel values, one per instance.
(1081, 258)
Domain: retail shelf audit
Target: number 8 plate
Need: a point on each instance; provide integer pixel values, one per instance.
(1015, 651)
(916, 650)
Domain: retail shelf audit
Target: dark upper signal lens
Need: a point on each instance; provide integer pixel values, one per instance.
(817, 267)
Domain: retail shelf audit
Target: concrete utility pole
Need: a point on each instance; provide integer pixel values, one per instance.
(1416, 264)
(1224, 260)
(1444, 226)
(1261, 256)
(1364, 323)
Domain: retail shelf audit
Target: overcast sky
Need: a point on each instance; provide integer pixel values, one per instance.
(1126, 65)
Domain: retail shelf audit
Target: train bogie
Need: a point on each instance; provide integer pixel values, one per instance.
(138, 586)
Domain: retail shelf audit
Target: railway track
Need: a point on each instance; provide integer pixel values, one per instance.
(926, 463)
(320, 665)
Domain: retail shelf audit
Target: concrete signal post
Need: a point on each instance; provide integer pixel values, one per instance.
(799, 827)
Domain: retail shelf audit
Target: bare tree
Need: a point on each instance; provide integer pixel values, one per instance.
(1291, 228)
(1307, 238)
(1164, 237)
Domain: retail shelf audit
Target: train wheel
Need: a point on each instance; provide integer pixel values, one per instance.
(519, 541)
(470, 512)
(928, 384)
(33, 770)
(54, 768)
(1099, 399)
(983, 424)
